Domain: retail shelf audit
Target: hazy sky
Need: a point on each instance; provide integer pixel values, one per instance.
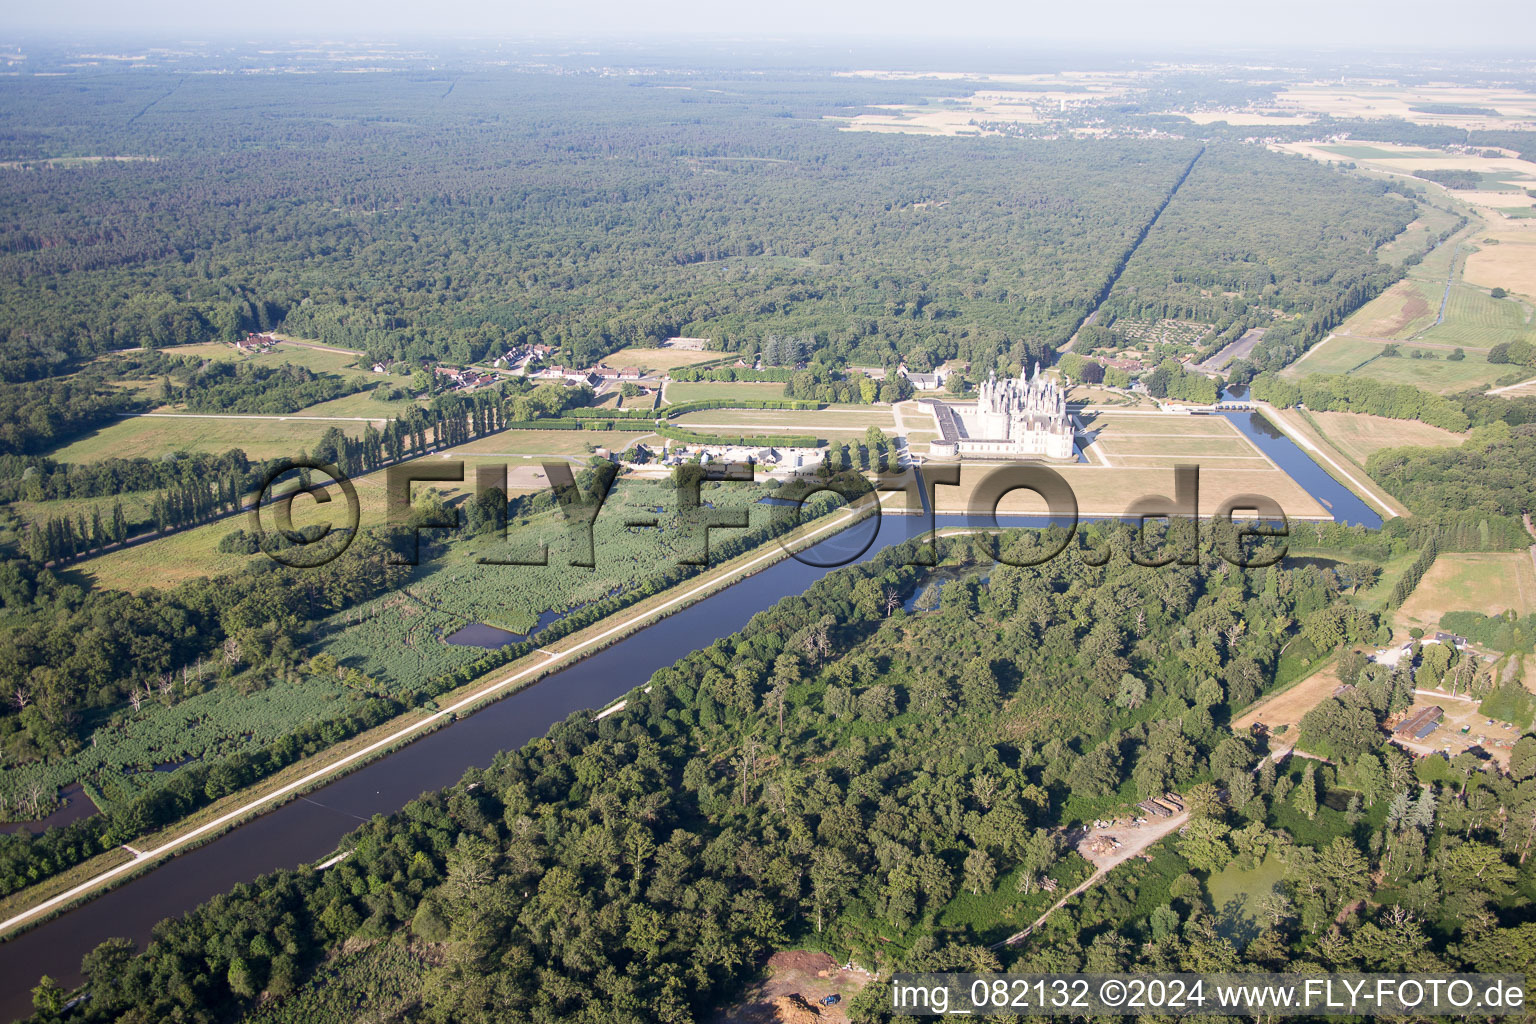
(1397, 24)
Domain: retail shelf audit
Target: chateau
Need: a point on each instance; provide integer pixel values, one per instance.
(1012, 418)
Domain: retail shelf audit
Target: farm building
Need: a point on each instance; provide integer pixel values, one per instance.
(1420, 724)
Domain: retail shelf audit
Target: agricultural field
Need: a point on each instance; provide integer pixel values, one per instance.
(1505, 259)
(1360, 436)
(1499, 196)
(694, 391)
(374, 405)
(1489, 582)
(579, 444)
(320, 360)
(1473, 317)
(1408, 306)
(1389, 99)
(1282, 712)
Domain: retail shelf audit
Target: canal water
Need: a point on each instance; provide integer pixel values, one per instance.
(307, 829)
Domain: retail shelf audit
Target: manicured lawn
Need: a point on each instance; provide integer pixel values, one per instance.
(700, 390)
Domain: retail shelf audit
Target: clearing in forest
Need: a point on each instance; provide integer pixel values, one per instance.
(1487, 582)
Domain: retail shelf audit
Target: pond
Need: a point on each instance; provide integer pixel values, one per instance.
(76, 805)
(478, 634)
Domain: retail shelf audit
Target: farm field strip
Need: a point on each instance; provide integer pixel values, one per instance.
(1359, 436)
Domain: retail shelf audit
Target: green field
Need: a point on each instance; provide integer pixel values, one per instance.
(1416, 237)
(1361, 151)
(153, 436)
(1434, 372)
(1473, 317)
(702, 390)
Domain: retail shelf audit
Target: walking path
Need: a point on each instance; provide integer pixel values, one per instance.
(412, 731)
(1511, 387)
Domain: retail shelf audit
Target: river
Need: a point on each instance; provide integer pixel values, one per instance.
(307, 829)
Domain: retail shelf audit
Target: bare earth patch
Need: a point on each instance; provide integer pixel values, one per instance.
(1287, 707)
(796, 982)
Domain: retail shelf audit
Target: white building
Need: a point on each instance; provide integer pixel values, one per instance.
(923, 381)
(1013, 418)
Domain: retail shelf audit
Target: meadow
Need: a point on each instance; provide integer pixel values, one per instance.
(1342, 354)
(260, 437)
(1487, 582)
(1359, 436)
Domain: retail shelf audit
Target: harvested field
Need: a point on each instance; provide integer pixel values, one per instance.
(1359, 436)
(659, 358)
(1510, 264)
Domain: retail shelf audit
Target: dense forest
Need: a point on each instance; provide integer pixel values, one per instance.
(848, 775)
(1222, 255)
(602, 214)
